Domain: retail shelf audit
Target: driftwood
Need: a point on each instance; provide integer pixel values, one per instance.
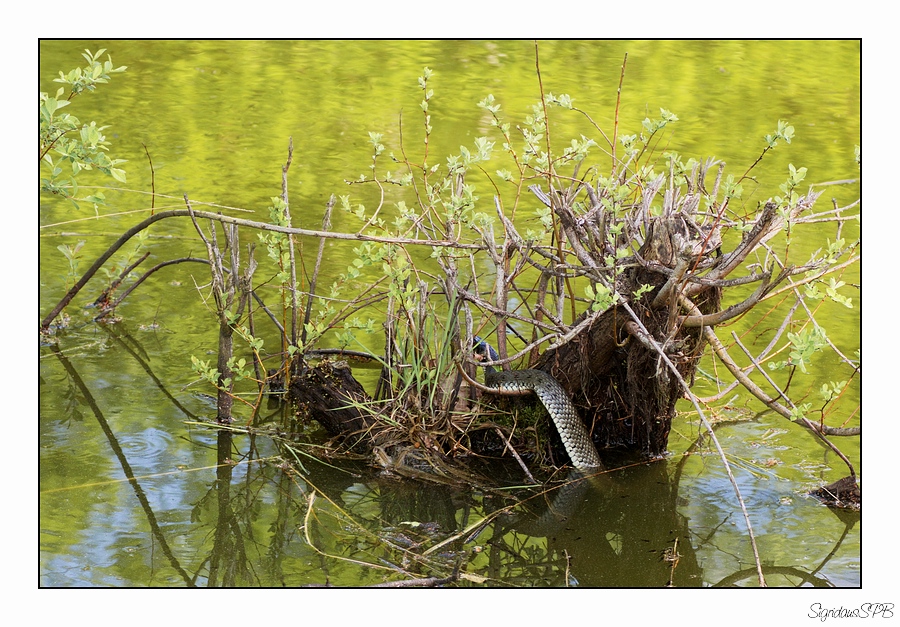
(330, 394)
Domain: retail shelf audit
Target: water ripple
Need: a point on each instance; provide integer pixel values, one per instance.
(147, 446)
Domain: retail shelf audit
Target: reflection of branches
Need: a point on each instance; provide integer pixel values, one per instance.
(228, 545)
(123, 461)
(307, 528)
(806, 577)
(847, 527)
(516, 560)
(687, 390)
(281, 528)
(120, 337)
(237, 507)
(787, 571)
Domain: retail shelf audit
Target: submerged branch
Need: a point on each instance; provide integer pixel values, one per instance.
(147, 275)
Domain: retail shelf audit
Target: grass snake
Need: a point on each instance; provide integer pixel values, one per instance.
(575, 438)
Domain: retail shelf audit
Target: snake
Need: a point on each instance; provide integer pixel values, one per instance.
(575, 438)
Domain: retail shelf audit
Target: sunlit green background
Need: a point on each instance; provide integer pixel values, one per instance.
(216, 117)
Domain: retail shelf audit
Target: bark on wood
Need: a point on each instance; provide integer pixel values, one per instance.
(329, 394)
(842, 494)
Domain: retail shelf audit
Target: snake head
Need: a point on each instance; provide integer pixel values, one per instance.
(484, 350)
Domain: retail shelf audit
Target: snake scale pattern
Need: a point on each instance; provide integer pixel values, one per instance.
(575, 438)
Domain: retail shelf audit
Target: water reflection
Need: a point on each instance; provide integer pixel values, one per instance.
(262, 512)
(121, 456)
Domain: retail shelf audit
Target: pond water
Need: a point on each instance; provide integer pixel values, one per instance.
(137, 489)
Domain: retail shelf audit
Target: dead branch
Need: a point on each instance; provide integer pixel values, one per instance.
(102, 300)
(714, 319)
(263, 226)
(771, 345)
(767, 225)
(326, 225)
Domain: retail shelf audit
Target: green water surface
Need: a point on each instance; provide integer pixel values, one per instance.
(133, 491)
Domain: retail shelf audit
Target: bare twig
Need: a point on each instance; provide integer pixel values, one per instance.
(510, 448)
(616, 119)
(817, 429)
(152, 180)
(326, 225)
(293, 261)
(753, 388)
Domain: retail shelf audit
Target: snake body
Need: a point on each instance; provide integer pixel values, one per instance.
(575, 438)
